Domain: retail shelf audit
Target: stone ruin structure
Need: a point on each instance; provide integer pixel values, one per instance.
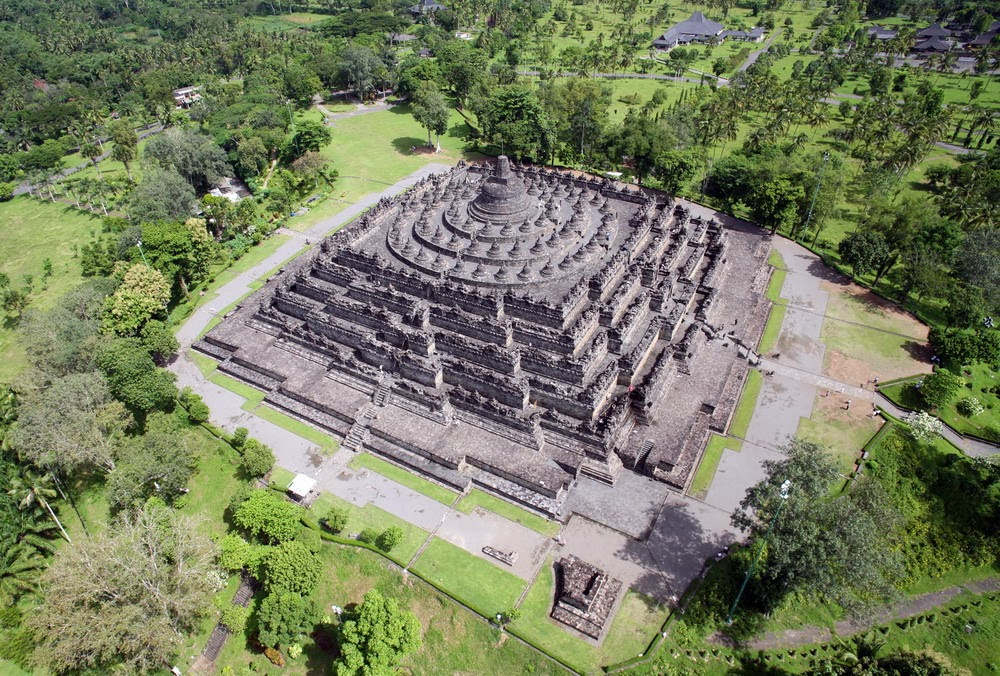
(513, 327)
(584, 596)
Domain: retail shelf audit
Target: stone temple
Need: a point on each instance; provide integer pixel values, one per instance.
(512, 327)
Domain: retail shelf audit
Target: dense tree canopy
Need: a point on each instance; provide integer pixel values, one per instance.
(126, 596)
(375, 636)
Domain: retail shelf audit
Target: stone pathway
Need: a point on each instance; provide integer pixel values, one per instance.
(917, 605)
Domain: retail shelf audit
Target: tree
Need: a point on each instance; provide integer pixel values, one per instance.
(389, 538)
(127, 597)
(431, 111)
(158, 340)
(158, 463)
(284, 617)
(940, 388)
(375, 636)
(579, 110)
(65, 339)
(30, 488)
(463, 66)
(360, 67)
(268, 516)
(300, 83)
(513, 120)
(73, 425)
(162, 195)
(774, 203)
(142, 295)
(865, 251)
(194, 156)
(125, 144)
(291, 566)
(978, 263)
(181, 251)
(308, 136)
(258, 459)
(840, 547)
(336, 519)
(133, 377)
(92, 151)
(638, 143)
(251, 157)
(674, 168)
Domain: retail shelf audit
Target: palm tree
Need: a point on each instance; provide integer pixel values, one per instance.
(32, 488)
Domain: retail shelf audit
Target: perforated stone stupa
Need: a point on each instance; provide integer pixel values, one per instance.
(513, 327)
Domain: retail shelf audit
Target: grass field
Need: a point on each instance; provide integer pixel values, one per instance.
(376, 518)
(375, 150)
(748, 402)
(842, 432)
(30, 232)
(979, 379)
(477, 498)
(633, 627)
(866, 336)
(405, 477)
(478, 583)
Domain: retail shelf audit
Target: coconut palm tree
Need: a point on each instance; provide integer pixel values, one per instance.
(31, 489)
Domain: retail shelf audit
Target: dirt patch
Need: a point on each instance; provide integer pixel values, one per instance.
(855, 303)
(832, 408)
(858, 372)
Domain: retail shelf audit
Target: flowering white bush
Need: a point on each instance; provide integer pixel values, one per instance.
(924, 426)
(970, 406)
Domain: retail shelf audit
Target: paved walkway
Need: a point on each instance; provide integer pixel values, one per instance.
(917, 605)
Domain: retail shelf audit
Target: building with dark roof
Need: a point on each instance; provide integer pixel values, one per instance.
(933, 45)
(881, 33)
(933, 31)
(987, 36)
(755, 34)
(426, 7)
(696, 28)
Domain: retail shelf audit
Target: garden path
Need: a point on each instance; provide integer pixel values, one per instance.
(911, 607)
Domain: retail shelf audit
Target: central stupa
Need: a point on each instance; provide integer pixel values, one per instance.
(500, 230)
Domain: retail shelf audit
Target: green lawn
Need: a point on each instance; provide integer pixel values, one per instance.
(454, 641)
(772, 329)
(633, 627)
(979, 379)
(842, 434)
(377, 518)
(31, 231)
(478, 583)
(748, 402)
(280, 478)
(327, 443)
(373, 151)
(709, 463)
(477, 498)
(405, 477)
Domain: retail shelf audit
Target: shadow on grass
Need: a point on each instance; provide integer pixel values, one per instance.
(411, 145)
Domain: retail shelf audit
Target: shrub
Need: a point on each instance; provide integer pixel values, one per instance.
(924, 426)
(336, 519)
(291, 567)
(239, 437)
(234, 552)
(389, 538)
(940, 388)
(258, 459)
(268, 516)
(234, 618)
(310, 538)
(970, 406)
(6, 191)
(369, 535)
(285, 616)
(274, 656)
(294, 651)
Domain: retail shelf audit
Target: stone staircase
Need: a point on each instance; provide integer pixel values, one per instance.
(381, 396)
(358, 434)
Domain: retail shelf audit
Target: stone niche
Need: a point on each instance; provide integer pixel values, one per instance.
(585, 596)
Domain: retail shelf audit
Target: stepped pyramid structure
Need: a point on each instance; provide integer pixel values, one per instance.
(512, 327)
